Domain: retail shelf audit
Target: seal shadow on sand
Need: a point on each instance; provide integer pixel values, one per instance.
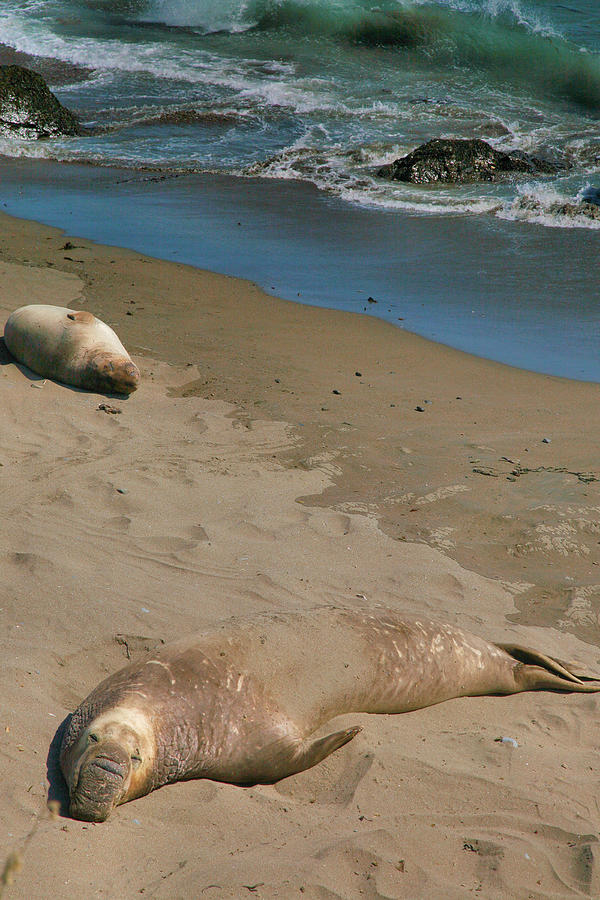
(334, 782)
(7, 360)
(57, 786)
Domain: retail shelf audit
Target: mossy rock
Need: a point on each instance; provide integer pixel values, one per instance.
(28, 108)
(455, 161)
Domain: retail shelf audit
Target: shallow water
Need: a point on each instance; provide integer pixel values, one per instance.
(523, 295)
(326, 90)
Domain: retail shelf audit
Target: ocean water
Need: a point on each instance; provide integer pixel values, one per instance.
(508, 291)
(325, 91)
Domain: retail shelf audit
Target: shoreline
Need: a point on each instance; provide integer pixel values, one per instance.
(274, 457)
(520, 294)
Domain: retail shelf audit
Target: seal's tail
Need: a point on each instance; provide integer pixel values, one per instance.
(539, 672)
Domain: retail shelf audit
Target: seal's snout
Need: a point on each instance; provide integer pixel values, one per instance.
(129, 378)
(101, 783)
(119, 377)
(110, 373)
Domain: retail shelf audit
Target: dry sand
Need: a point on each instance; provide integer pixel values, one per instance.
(274, 457)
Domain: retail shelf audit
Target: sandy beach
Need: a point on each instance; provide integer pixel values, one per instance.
(281, 456)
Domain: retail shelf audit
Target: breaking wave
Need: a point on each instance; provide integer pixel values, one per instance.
(501, 38)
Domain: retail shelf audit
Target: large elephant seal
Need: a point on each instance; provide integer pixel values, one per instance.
(241, 702)
(71, 346)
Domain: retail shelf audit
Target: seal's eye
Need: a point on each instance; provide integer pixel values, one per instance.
(93, 738)
(136, 759)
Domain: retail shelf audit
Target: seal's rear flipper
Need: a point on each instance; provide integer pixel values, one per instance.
(310, 753)
(543, 673)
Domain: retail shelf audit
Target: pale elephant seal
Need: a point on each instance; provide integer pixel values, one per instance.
(71, 346)
(241, 701)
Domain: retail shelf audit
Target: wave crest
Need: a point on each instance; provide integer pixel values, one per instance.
(499, 38)
(320, 15)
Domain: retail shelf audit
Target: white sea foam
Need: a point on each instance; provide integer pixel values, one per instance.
(37, 39)
(26, 149)
(209, 15)
(270, 86)
(543, 204)
(520, 13)
(332, 171)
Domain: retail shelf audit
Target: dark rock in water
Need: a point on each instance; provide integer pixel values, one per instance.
(591, 195)
(533, 164)
(28, 109)
(570, 210)
(461, 162)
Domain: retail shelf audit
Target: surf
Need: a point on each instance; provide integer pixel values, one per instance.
(499, 39)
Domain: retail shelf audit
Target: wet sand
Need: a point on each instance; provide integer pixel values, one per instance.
(278, 456)
(516, 293)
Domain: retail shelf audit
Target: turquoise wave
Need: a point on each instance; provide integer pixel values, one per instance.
(493, 38)
(501, 39)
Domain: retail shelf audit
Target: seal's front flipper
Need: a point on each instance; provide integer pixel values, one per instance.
(309, 753)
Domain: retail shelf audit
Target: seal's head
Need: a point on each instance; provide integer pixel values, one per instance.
(108, 764)
(111, 374)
